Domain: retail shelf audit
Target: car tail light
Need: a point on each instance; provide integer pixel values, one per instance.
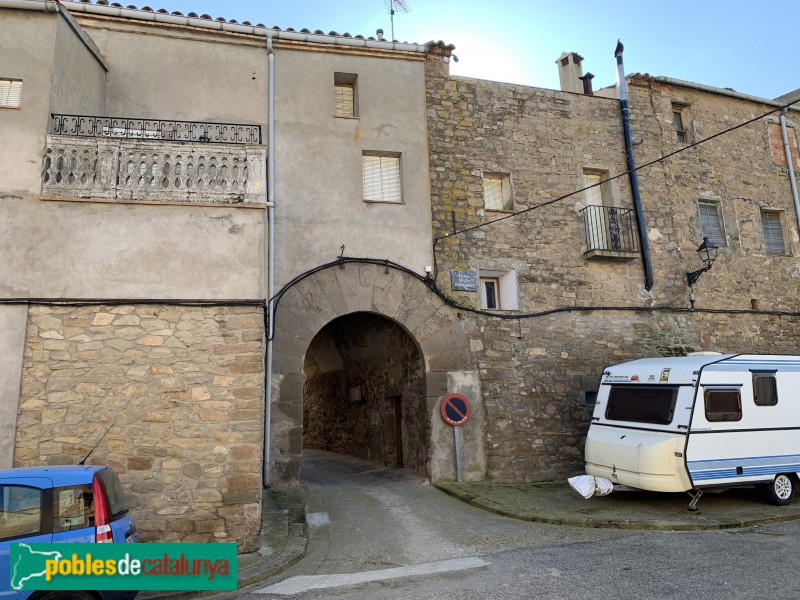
(102, 527)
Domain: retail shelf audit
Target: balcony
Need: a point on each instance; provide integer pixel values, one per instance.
(152, 161)
(610, 232)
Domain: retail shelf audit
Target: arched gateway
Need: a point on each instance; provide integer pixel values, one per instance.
(306, 308)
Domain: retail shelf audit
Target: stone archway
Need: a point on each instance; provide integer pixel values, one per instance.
(334, 292)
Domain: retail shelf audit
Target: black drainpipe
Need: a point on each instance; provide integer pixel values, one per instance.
(637, 202)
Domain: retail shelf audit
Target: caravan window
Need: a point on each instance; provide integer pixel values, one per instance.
(642, 404)
(765, 392)
(723, 405)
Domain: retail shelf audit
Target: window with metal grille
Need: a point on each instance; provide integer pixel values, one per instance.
(10, 93)
(711, 222)
(344, 95)
(773, 232)
(497, 191)
(382, 182)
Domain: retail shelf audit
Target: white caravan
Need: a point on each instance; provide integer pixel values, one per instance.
(688, 423)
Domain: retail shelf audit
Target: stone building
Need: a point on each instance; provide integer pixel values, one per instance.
(208, 226)
(566, 273)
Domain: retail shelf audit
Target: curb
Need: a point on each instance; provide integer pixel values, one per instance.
(606, 523)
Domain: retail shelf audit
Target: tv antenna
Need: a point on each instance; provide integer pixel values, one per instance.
(396, 6)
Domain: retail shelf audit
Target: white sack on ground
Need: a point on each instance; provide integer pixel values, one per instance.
(588, 486)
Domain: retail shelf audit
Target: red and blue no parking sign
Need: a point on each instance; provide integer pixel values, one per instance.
(455, 409)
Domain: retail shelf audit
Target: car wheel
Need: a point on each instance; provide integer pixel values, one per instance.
(68, 595)
(781, 490)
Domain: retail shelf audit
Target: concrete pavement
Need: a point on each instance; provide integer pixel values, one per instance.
(378, 517)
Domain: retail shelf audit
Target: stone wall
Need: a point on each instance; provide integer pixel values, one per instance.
(169, 396)
(375, 356)
(536, 370)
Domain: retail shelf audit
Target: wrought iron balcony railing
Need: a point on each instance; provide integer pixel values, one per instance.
(154, 129)
(609, 229)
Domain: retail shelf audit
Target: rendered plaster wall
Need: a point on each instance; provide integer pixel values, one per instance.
(170, 397)
(378, 358)
(79, 79)
(27, 50)
(208, 76)
(12, 344)
(319, 189)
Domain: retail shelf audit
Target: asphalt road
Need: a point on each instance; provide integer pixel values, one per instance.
(383, 533)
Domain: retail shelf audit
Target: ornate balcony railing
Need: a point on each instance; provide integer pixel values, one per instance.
(609, 230)
(153, 170)
(154, 129)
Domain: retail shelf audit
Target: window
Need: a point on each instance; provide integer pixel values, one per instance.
(344, 95)
(10, 93)
(679, 114)
(773, 232)
(596, 214)
(490, 292)
(497, 191)
(20, 511)
(498, 289)
(642, 404)
(382, 178)
(765, 389)
(711, 222)
(723, 405)
(74, 508)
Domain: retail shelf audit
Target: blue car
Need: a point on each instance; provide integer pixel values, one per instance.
(78, 504)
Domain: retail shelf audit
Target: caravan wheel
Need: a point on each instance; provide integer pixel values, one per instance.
(781, 490)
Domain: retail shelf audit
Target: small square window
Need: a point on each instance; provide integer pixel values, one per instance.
(773, 232)
(498, 289)
(10, 93)
(344, 95)
(381, 174)
(497, 192)
(711, 222)
(723, 405)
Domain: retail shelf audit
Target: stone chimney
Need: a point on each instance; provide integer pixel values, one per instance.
(570, 72)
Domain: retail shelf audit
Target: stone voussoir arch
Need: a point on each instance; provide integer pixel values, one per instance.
(334, 292)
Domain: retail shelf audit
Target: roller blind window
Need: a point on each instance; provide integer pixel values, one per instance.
(382, 179)
(773, 232)
(10, 93)
(711, 223)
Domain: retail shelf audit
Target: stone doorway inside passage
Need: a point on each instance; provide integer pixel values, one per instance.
(364, 393)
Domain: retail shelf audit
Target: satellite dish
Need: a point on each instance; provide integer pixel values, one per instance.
(396, 6)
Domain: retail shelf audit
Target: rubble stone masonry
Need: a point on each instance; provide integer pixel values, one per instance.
(170, 397)
(538, 372)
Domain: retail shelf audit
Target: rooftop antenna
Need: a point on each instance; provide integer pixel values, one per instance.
(396, 5)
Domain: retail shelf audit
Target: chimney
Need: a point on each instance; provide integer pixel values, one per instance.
(570, 72)
(379, 33)
(587, 84)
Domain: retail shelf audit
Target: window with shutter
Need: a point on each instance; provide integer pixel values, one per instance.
(711, 223)
(10, 93)
(382, 178)
(497, 192)
(773, 232)
(345, 97)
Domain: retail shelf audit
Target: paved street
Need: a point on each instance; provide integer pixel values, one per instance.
(383, 533)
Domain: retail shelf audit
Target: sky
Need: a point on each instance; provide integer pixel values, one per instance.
(752, 47)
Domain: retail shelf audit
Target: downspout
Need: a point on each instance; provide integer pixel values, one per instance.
(790, 164)
(270, 254)
(637, 202)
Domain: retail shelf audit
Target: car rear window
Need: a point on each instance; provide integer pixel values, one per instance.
(114, 493)
(73, 508)
(20, 511)
(642, 404)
